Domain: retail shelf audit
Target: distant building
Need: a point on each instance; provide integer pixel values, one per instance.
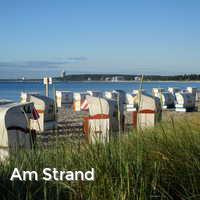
(107, 79)
(63, 74)
(137, 78)
(117, 78)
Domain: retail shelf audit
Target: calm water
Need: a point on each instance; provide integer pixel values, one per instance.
(12, 90)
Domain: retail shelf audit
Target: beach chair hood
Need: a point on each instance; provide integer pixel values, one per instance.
(98, 122)
(97, 105)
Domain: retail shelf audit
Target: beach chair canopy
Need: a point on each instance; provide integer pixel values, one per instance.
(167, 99)
(15, 126)
(46, 109)
(42, 104)
(174, 90)
(64, 98)
(97, 124)
(187, 100)
(95, 93)
(97, 105)
(147, 102)
(129, 99)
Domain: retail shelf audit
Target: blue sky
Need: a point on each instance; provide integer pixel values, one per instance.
(43, 37)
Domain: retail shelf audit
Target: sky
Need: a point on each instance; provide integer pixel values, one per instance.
(43, 37)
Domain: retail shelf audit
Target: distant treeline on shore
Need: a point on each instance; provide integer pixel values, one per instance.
(126, 77)
(185, 77)
(112, 78)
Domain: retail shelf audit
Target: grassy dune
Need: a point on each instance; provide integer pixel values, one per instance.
(161, 163)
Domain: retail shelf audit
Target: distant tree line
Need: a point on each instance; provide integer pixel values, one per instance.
(185, 77)
(95, 77)
(127, 77)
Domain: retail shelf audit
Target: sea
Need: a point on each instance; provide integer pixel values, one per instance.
(12, 90)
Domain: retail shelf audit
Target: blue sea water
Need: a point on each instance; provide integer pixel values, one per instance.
(12, 90)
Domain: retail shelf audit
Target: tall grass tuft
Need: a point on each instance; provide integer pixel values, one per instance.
(159, 163)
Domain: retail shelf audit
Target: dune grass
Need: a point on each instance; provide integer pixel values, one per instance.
(159, 163)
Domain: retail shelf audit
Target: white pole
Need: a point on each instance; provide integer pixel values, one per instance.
(47, 87)
(119, 114)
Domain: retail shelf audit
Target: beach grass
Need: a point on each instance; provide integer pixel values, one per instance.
(158, 163)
